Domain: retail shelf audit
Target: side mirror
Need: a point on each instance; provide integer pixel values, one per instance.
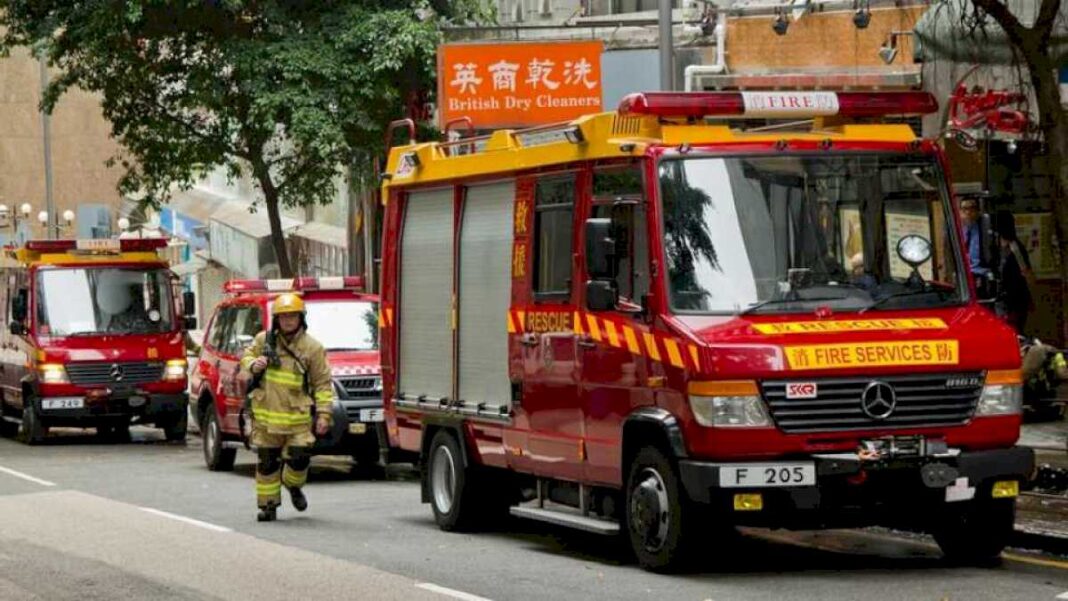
(601, 295)
(189, 303)
(16, 328)
(189, 322)
(600, 249)
(20, 305)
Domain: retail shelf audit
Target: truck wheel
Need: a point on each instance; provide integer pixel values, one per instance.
(660, 522)
(8, 429)
(976, 532)
(174, 429)
(34, 430)
(453, 494)
(216, 457)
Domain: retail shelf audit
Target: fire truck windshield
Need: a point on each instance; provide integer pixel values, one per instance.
(103, 300)
(344, 325)
(765, 234)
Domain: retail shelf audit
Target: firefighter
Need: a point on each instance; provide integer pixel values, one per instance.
(290, 383)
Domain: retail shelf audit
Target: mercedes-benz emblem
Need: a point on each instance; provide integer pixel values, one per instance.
(116, 372)
(878, 400)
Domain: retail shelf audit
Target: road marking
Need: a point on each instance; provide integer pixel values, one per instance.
(1046, 563)
(26, 477)
(1063, 595)
(455, 594)
(182, 518)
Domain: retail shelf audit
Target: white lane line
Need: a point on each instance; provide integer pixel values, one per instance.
(1063, 595)
(182, 518)
(27, 477)
(455, 594)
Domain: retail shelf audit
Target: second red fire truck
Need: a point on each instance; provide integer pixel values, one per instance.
(655, 321)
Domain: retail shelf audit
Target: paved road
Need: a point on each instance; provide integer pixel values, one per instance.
(146, 520)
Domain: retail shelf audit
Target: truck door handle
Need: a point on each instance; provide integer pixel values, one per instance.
(586, 341)
(529, 339)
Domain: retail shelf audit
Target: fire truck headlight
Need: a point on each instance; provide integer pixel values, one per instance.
(1002, 394)
(174, 370)
(733, 404)
(378, 384)
(52, 373)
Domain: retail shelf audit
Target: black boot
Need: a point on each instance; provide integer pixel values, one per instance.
(300, 502)
(267, 514)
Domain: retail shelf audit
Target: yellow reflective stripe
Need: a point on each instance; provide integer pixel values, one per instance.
(285, 378)
(267, 490)
(324, 395)
(278, 418)
(293, 478)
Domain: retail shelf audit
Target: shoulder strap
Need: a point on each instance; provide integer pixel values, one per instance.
(285, 347)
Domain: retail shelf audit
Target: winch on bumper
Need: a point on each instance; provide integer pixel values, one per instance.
(889, 482)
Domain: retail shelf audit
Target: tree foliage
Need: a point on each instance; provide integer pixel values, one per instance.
(287, 91)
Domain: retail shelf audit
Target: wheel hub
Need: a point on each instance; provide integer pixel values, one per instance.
(443, 479)
(649, 511)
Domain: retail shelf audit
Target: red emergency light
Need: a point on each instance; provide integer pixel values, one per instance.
(778, 104)
(353, 283)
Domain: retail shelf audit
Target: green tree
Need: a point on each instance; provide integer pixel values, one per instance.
(284, 91)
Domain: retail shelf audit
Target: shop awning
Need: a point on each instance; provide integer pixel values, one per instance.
(323, 233)
(944, 33)
(255, 225)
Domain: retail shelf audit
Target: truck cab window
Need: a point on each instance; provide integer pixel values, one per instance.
(618, 195)
(554, 205)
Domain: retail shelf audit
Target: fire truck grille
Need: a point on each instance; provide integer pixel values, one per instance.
(361, 388)
(126, 373)
(919, 401)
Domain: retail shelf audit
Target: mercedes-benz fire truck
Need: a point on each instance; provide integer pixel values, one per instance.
(94, 338)
(700, 310)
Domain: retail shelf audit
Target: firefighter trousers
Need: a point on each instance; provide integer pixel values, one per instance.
(283, 461)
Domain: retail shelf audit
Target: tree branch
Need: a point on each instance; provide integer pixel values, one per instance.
(1047, 20)
(1000, 12)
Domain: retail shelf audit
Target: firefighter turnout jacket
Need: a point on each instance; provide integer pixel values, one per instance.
(283, 403)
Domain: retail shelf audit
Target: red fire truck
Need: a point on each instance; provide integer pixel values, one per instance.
(94, 338)
(703, 309)
(341, 317)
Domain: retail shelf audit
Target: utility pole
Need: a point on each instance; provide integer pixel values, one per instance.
(52, 226)
(667, 64)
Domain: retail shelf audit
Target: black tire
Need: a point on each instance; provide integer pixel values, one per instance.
(976, 532)
(453, 488)
(33, 430)
(176, 427)
(661, 523)
(8, 429)
(216, 457)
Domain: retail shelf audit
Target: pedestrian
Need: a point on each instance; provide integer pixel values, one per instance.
(1014, 274)
(971, 231)
(293, 384)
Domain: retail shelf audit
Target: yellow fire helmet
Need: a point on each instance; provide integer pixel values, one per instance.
(287, 303)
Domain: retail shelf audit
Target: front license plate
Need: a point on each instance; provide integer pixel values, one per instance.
(63, 403)
(372, 415)
(761, 475)
(357, 428)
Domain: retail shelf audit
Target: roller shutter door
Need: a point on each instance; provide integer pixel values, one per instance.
(485, 293)
(426, 364)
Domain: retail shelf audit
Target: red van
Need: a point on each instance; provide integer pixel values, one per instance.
(341, 317)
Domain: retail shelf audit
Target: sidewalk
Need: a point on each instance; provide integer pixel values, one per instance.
(1042, 518)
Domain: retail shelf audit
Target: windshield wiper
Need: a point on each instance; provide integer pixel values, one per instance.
(774, 301)
(901, 294)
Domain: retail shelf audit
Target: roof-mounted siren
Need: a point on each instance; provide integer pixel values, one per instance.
(777, 105)
(351, 283)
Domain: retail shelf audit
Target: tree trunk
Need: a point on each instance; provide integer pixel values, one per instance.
(274, 217)
(1054, 126)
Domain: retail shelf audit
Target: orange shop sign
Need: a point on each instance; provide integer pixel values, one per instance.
(519, 84)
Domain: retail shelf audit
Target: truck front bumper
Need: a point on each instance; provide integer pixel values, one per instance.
(850, 492)
(79, 411)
